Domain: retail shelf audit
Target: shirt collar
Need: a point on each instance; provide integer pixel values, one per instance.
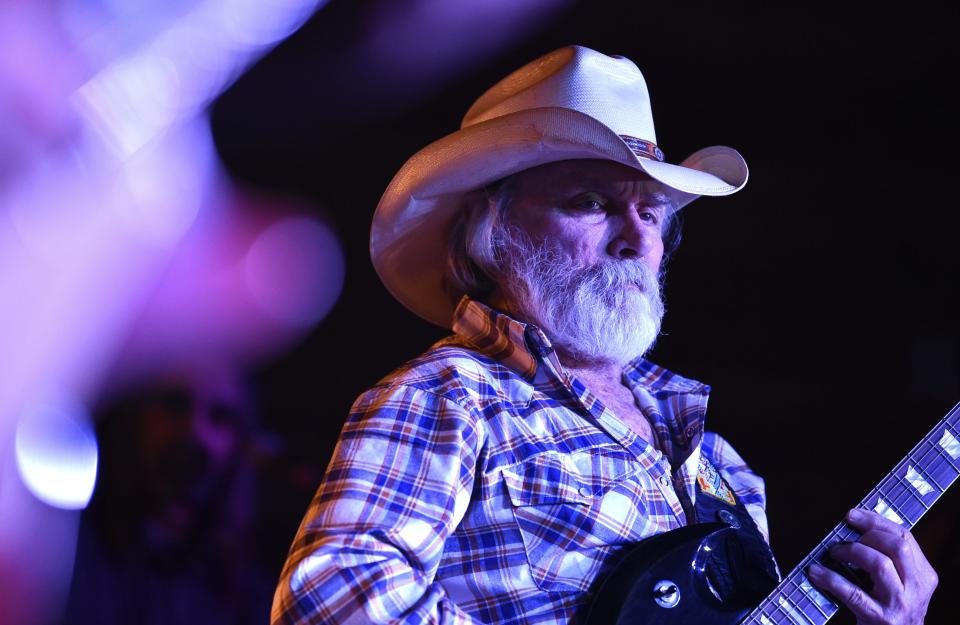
(656, 379)
(500, 336)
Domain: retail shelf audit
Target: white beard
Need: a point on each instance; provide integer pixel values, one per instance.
(605, 313)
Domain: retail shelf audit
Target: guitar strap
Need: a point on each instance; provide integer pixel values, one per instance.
(748, 566)
(715, 499)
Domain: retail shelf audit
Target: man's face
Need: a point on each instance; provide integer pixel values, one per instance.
(192, 433)
(592, 210)
(581, 248)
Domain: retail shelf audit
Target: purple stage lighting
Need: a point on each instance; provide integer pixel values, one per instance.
(56, 452)
(294, 270)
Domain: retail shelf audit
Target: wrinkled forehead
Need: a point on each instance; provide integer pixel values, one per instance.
(610, 178)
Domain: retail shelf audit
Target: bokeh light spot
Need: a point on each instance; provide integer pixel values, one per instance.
(294, 270)
(56, 452)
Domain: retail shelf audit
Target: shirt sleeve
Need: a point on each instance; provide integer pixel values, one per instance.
(398, 484)
(747, 485)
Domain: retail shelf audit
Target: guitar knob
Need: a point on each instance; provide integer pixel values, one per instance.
(729, 518)
(666, 594)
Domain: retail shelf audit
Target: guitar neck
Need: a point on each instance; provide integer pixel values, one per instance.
(903, 496)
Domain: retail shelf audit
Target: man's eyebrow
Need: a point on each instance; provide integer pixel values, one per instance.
(657, 199)
(660, 199)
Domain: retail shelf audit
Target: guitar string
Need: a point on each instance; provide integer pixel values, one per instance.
(786, 615)
(913, 455)
(923, 469)
(805, 596)
(890, 495)
(910, 489)
(793, 607)
(842, 528)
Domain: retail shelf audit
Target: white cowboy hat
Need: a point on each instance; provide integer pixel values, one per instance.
(573, 103)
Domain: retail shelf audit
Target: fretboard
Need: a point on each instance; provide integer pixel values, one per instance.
(903, 496)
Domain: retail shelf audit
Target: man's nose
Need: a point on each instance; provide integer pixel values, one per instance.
(633, 238)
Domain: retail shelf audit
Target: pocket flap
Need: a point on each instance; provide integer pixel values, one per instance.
(551, 478)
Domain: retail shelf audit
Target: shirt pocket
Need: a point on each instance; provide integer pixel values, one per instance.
(570, 513)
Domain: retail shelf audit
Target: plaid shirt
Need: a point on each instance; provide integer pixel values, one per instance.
(482, 483)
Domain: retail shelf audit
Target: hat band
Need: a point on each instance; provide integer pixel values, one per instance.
(643, 149)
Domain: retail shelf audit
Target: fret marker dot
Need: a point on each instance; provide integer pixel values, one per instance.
(883, 509)
(917, 481)
(950, 444)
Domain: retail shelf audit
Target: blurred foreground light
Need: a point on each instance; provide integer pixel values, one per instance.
(132, 101)
(294, 270)
(165, 184)
(264, 22)
(56, 453)
(181, 69)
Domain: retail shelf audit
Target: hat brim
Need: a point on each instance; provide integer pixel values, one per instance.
(410, 230)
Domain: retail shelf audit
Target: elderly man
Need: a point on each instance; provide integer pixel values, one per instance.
(499, 477)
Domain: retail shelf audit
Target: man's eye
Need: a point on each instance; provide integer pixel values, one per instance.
(650, 216)
(589, 205)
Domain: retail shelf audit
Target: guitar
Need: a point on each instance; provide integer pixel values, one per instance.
(706, 574)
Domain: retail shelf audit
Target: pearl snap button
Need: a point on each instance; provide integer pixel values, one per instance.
(586, 492)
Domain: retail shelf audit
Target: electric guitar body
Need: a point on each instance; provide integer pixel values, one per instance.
(718, 574)
(671, 579)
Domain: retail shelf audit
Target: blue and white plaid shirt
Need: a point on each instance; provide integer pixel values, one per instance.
(482, 483)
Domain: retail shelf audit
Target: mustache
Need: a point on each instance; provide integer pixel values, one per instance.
(615, 275)
(550, 262)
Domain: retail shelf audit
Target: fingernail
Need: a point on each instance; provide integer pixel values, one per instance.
(814, 570)
(855, 515)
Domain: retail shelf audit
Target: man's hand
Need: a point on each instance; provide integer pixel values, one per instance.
(903, 579)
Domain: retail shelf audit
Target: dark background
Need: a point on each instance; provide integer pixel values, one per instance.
(820, 302)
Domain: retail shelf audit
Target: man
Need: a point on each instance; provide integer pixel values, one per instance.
(499, 477)
(167, 537)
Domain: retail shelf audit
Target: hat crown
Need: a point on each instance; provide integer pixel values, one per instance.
(610, 89)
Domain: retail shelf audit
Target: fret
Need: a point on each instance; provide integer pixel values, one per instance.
(891, 491)
(850, 534)
(923, 471)
(784, 608)
(940, 454)
(926, 460)
(913, 502)
(929, 457)
(913, 488)
(773, 618)
(804, 598)
(887, 511)
(795, 615)
(791, 598)
(825, 606)
(779, 611)
(913, 484)
(943, 463)
(950, 443)
(932, 479)
(948, 440)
